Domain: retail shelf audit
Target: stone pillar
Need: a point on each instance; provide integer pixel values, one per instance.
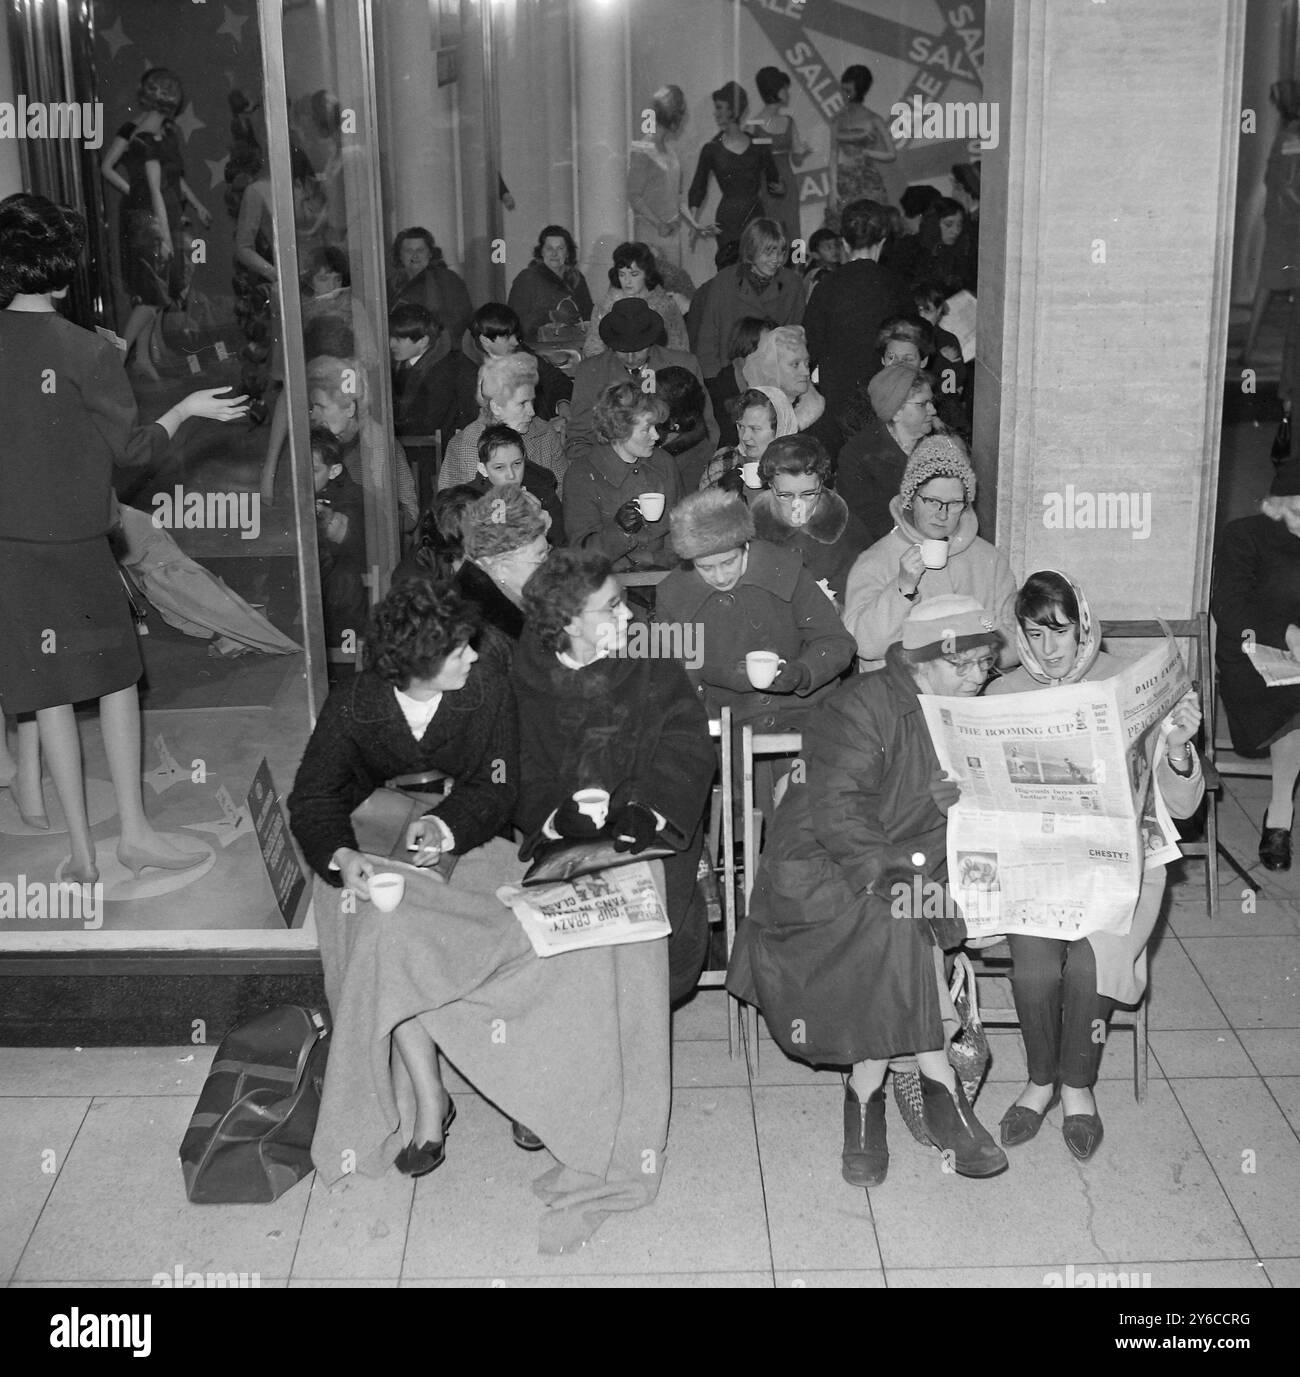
(601, 99)
(1104, 274)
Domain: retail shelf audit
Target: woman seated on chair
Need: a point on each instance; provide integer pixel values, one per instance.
(837, 951)
(743, 595)
(1065, 990)
(593, 717)
(584, 1059)
(1256, 601)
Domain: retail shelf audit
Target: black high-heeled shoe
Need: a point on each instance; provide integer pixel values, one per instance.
(422, 1158)
(1275, 846)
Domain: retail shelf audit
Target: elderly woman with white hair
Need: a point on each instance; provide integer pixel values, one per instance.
(505, 387)
(504, 537)
(339, 394)
(935, 549)
(781, 360)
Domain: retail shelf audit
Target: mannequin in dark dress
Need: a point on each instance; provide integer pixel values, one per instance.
(741, 168)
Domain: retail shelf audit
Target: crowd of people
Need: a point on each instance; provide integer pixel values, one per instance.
(784, 450)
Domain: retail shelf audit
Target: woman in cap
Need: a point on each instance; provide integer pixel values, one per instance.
(836, 951)
(934, 548)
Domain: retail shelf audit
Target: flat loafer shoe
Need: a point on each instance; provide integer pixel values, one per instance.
(1082, 1134)
(524, 1137)
(1020, 1123)
(1275, 847)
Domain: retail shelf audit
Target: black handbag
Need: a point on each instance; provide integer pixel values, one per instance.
(249, 1138)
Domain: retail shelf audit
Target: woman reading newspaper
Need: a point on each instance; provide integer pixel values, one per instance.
(595, 715)
(437, 964)
(837, 950)
(1065, 990)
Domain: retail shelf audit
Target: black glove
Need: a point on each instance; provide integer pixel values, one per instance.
(570, 822)
(791, 679)
(634, 828)
(629, 518)
(732, 481)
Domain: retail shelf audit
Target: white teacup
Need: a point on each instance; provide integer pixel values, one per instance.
(594, 804)
(762, 666)
(651, 504)
(934, 553)
(749, 473)
(386, 890)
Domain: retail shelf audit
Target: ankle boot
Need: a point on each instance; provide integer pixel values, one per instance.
(953, 1127)
(866, 1154)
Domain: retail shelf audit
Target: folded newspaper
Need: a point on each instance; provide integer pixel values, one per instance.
(1276, 667)
(604, 909)
(1058, 816)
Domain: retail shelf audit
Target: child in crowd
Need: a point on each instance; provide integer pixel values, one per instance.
(501, 461)
(825, 254)
(413, 334)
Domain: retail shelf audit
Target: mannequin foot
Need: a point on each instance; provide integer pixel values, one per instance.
(81, 872)
(154, 852)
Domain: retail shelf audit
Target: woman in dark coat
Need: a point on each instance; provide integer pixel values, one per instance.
(1256, 601)
(592, 717)
(745, 595)
(421, 275)
(425, 704)
(797, 511)
(553, 278)
(836, 951)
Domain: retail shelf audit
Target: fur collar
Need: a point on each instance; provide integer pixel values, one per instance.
(829, 519)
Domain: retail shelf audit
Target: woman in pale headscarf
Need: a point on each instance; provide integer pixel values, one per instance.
(762, 414)
(781, 360)
(1065, 989)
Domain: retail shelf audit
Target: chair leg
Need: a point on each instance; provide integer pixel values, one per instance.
(1140, 1053)
(1212, 856)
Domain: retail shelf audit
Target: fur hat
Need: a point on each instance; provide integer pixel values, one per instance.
(710, 523)
(946, 625)
(937, 456)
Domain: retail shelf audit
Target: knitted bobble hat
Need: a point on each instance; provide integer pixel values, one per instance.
(937, 456)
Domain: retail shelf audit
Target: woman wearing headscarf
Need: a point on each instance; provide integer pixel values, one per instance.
(1065, 990)
(781, 360)
(934, 549)
(762, 415)
(837, 951)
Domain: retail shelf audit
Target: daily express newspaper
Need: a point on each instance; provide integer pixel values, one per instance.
(1057, 817)
(605, 909)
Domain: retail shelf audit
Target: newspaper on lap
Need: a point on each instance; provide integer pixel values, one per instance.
(1058, 817)
(604, 909)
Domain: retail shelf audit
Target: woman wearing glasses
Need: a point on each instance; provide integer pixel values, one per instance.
(797, 511)
(745, 595)
(935, 548)
(837, 951)
(1064, 991)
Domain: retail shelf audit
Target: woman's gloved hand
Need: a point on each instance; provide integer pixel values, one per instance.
(634, 827)
(629, 519)
(571, 822)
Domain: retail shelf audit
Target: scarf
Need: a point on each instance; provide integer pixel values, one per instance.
(1084, 657)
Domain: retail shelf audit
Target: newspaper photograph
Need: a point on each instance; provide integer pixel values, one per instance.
(605, 909)
(1057, 817)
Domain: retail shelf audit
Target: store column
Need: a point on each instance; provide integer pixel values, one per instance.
(602, 126)
(1105, 261)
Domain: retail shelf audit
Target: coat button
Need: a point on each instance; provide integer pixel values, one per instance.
(726, 600)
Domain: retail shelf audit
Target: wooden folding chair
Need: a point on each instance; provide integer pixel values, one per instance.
(756, 746)
(1226, 760)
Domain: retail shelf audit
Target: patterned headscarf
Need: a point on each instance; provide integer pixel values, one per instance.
(1089, 641)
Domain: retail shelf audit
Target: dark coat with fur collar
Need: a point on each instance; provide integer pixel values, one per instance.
(775, 606)
(362, 739)
(829, 543)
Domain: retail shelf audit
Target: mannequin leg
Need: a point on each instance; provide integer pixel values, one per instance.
(274, 444)
(58, 735)
(23, 775)
(139, 330)
(119, 716)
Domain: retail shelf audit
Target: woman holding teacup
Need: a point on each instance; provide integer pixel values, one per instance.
(745, 596)
(611, 744)
(934, 549)
(763, 414)
(615, 496)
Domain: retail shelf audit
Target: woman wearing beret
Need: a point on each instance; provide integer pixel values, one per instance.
(836, 951)
(933, 549)
(1064, 990)
(1256, 601)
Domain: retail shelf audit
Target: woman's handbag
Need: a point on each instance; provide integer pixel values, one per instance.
(968, 1052)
